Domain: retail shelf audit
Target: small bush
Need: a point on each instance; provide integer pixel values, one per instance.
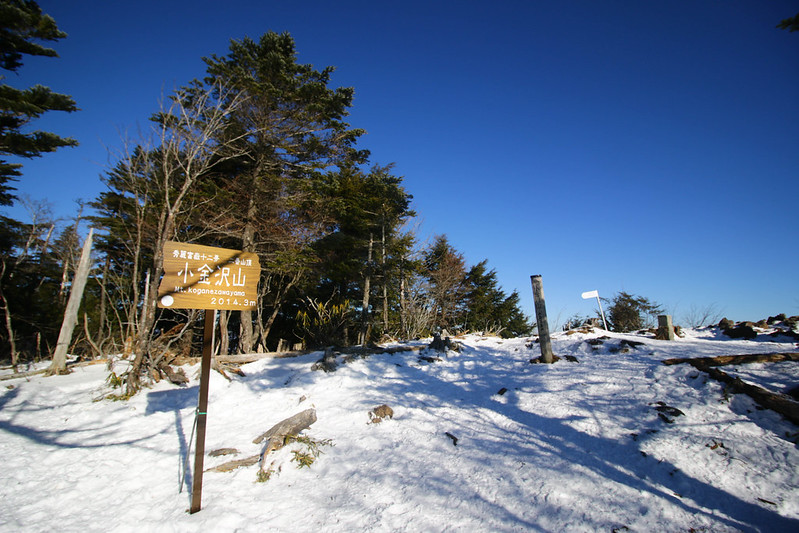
(324, 323)
(628, 312)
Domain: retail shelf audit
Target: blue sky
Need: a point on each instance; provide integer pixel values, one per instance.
(651, 147)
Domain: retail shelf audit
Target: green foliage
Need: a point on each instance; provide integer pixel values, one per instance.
(22, 24)
(324, 323)
(364, 256)
(790, 24)
(114, 381)
(445, 268)
(264, 475)
(302, 458)
(627, 312)
(489, 310)
(30, 288)
(305, 457)
(470, 300)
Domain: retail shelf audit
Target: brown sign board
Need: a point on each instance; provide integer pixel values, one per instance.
(205, 277)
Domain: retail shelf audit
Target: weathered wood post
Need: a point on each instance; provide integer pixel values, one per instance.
(59, 364)
(541, 320)
(202, 412)
(665, 328)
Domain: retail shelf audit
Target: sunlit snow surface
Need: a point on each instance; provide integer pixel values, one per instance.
(567, 447)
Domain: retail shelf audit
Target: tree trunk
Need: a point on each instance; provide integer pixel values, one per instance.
(59, 364)
(248, 245)
(722, 360)
(9, 326)
(103, 298)
(385, 282)
(780, 403)
(147, 321)
(403, 306)
(224, 336)
(276, 436)
(367, 288)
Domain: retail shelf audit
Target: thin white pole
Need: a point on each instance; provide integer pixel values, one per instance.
(601, 312)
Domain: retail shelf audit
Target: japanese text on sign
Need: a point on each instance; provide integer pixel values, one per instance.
(203, 277)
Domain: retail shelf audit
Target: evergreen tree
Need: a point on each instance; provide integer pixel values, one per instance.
(628, 312)
(469, 300)
(489, 309)
(790, 24)
(30, 280)
(360, 260)
(446, 270)
(22, 26)
(292, 132)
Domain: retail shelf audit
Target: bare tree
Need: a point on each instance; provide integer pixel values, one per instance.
(699, 316)
(416, 308)
(160, 181)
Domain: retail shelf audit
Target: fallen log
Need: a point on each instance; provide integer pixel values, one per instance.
(277, 435)
(290, 426)
(242, 359)
(70, 364)
(780, 403)
(176, 377)
(389, 350)
(232, 465)
(23, 374)
(722, 360)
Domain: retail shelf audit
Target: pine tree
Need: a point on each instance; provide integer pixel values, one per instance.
(489, 309)
(361, 259)
(22, 26)
(293, 131)
(628, 312)
(446, 269)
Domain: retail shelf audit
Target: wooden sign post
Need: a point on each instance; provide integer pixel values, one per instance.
(204, 277)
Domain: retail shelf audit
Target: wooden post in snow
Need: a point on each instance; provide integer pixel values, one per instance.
(541, 320)
(59, 364)
(202, 412)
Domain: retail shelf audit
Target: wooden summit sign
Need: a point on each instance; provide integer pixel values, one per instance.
(205, 277)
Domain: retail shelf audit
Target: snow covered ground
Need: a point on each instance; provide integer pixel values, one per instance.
(573, 446)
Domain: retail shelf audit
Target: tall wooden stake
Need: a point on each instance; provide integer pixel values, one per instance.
(202, 406)
(541, 320)
(59, 364)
